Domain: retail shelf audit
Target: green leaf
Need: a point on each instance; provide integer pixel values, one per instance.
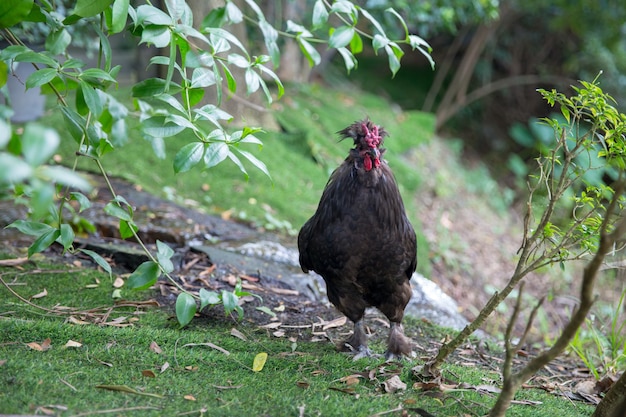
(96, 74)
(208, 298)
(113, 209)
(164, 255)
(320, 14)
(255, 161)
(379, 41)
(144, 277)
(41, 77)
(44, 241)
(92, 99)
(83, 201)
(67, 236)
(118, 16)
(42, 199)
(58, 41)
(253, 81)
(374, 22)
(149, 88)
(341, 36)
(309, 52)
(185, 308)
(215, 153)
(230, 300)
(394, 53)
(39, 143)
(349, 60)
(31, 228)
(127, 229)
(74, 123)
(88, 8)
(36, 58)
(65, 176)
(188, 156)
(202, 77)
(159, 36)
(99, 260)
(267, 311)
(356, 44)
(157, 126)
(14, 170)
(147, 15)
(13, 12)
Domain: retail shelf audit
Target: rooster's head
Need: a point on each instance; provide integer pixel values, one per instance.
(368, 139)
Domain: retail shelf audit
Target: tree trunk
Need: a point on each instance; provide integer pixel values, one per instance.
(614, 402)
(293, 65)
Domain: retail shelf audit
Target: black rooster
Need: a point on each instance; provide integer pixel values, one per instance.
(361, 242)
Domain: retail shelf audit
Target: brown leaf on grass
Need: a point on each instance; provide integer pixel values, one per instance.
(155, 348)
(394, 384)
(189, 397)
(118, 283)
(238, 334)
(148, 373)
(45, 345)
(165, 367)
(211, 345)
(125, 388)
(191, 368)
(302, 384)
(74, 320)
(2, 362)
(222, 387)
(40, 295)
(279, 333)
(350, 379)
(349, 391)
(72, 344)
(272, 325)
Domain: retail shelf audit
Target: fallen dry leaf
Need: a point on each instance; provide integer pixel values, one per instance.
(148, 373)
(221, 387)
(74, 320)
(209, 344)
(125, 388)
(279, 333)
(155, 348)
(73, 344)
(41, 294)
(238, 334)
(274, 325)
(2, 362)
(303, 384)
(118, 283)
(45, 345)
(165, 366)
(189, 397)
(394, 384)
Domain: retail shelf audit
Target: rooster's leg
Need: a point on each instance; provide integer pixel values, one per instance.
(357, 343)
(398, 343)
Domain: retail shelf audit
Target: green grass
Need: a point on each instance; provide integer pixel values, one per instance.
(297, 374)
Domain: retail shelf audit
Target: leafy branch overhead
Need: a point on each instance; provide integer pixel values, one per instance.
(186, 103)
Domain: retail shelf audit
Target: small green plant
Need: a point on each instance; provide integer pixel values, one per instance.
(602, 348)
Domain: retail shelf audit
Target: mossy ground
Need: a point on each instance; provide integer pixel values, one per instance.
(199, 379)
